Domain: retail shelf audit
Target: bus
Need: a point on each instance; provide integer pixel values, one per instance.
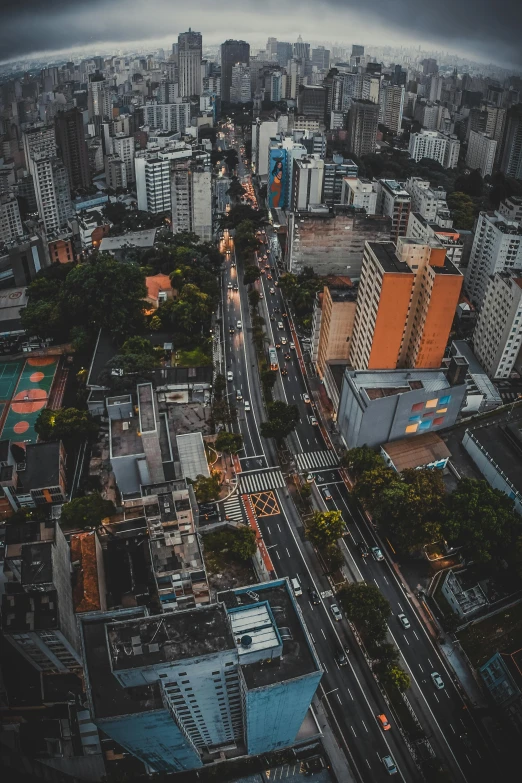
(272, 356)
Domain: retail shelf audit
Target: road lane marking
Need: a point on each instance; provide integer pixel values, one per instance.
(323, 633)
(420, 667)
(447, 694)
(312, 638)
(349, 691)
(451, 727)
(369, 767)
(415, 635)
(277, 553)
(365, 726)
(405, 639)
(430, 663)
(354, 734)
(278, 527)
(436, 696)
(384, 577)
(339, 700)
(287, 552)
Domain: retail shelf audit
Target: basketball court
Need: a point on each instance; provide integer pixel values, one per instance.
(26, 393)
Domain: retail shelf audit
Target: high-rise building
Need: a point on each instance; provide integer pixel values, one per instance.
(262, 132)
(241, 86)
(115, 172)
(191, 194)
(321, 58)
(153, 183)
(173, 117)
(497, 339)
(511, 208)
(442, 147)
(481, 153)
(406, 303)
(11, 228)
(284, 53)
(335, 171)
(232, 52)
(100, 103)
(188, 688)
(360, 193)
(394, 202)
(190, 53)
(307, 183)
(301, 49)
(311, 101)
(38, 140)
(337, 318)
(53, 195)
(490, 120)
(429, 202)
(70, 139)
(449, 238)
(357, 50)
(497, 247)
(511, 162)
(123, 146)
(363, 119)
(392, 106)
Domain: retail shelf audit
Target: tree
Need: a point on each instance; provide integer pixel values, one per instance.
(207, 488)
(229, 442)
(360, 459)
(305, 490)
(245, 236)
(282, 419)
(396, 677)
(471, 184)
(88, 511)
(482, 520)
(367, 608)
(325, 528)
(65, 423)
(138, 346)
(236, 189)
(463, 210)
(251, 274)
(268, 379)
(254, 297)
(244, 543)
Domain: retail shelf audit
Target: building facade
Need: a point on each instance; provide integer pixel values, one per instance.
(307, 183)
(53, 196)
(190, 54)
(360, 193)
(123, 146)
(336, 325)
(241, 86)
(174, 117)
(481, 153)
(497, 339)
(191, 199)
(394, 201)
(511, 161)
(232, 52)
(72, 148)
(443, 148)
(363, 120)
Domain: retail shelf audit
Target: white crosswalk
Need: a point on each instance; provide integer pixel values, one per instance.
(233, 509)
(316, 459)
(260, 481)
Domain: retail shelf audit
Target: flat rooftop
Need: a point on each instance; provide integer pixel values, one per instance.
(502, 441)
(416, 452)
(37, 565)
(125, 438)
(296, 659)
(387, 257)
(384, 383)
(169, 637)
(146, 407)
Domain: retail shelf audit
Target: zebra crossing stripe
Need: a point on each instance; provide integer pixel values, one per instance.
(260, 481)
(316, 459)
(233, 509)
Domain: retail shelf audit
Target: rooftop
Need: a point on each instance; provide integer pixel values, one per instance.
(29, 611)
(169, 637)
(86, 593)
(125, 437)
(146, 408)
(37, 564)
(191, 450)
(384, 383)
(394, 187)
(502, 442)
(42, 465)
(387, 257)
(145, 238)
(416, 452)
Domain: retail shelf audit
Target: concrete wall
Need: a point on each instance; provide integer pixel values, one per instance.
(489, 470)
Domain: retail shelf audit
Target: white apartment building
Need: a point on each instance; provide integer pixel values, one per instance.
(115, 172)
(53, 197)
(497, 247)
(481, 152)
(262, 132)
(123, 146)
(189, 63)
(10, 223)
(511, 208)
(392, 107)
(441, 147)
(427, 201)
(307, 183)
(360, 193)
(420, 228)
(240, 89)
(191, 199)
(173, 117)
(40, 140)
(497, 338)
(153, 183)
(394, 202)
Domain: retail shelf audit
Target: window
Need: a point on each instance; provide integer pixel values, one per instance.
(417, 407)
(442, 410)
(412, 428)
(414, 418)
(432, 403)
(445, 400)
(425, 425)
(438, 421)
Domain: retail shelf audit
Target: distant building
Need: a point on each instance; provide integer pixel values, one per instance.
(307, 183)
(241, 85)
(321, 58)
(363, 119)
(511, 161)
(159, 289)
(481, 153)
(120, 245)
(115, 172)
(392, 107)
(172, 117)
(381, 406)
(39, 480)
(497, 247)
(232, 52)
(123, 146)
(311, 101)
(394, 202)
(464, 601)
(360, 193)
(153, 184)
(449, 238)
(11, 228)
(497, 339)
(443, 148)
(511, 208)
(262, 132)
(53, 195)
(70, 139)
(429, 202)
(38, 141)
(234, 677)
(190, 54)
(335, 172)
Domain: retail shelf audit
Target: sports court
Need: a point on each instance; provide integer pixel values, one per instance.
(25, 388)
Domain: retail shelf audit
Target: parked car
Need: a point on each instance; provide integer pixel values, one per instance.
(404, 621)
(239, 325)
(280, 325)
(230, 286)
(437, 680)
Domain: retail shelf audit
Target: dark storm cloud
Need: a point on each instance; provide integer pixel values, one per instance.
(489, 29)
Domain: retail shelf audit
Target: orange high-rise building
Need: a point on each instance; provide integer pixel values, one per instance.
(405, 305)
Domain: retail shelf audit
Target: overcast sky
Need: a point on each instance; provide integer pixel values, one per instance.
(488, 30)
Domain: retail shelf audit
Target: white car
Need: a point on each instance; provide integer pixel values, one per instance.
(336, 612)
(247, 405)
(437, 680)
(261, 295)
(239, 325)
(230, 286)
(306, 398)
(292, 346)
(283, 340)
(376, 552)
(310, 478)
(272, 290)
(280, 325)
(313, 421)
(230, 377)
(404, 621)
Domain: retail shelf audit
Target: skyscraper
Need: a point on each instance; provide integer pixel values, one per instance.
(511, 163)
(481, 152)
(190, 50)
(497, 338)
(39, 140)
(241, 87)
(363, 119)
(392, 103)
(53, 196)
(191, 196)
(70, 138)
(405, 305)
(191, 687)
(232, 52)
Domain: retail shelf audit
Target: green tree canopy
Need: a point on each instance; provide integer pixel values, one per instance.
(282, 419)
(207, 488)
(229, 442)
(251, 274)
(65, 423)
(360, 459)
(88, 511)
(463, 210)
(367, 608)
(325, 528)
(254, 297)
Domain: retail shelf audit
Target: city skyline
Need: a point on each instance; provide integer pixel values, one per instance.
(27, 29)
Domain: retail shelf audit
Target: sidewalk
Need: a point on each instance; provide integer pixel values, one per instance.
(340, 768)
(459, 665)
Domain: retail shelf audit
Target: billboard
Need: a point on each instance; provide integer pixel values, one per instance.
(277, 178)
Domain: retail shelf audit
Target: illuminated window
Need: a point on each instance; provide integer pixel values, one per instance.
(445, 400)
(442, 410)
(438, 420)
(417, 407)
(412, 428)
(432, 403)
(425, 425)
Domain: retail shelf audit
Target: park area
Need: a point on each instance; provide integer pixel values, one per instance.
(24, 390)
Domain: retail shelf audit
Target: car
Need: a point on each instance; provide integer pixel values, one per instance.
(278, 345)
(313, 421)
(336, 612)
(261, 295)
(233, 264)
(231, 330)
(383, 722)
(285, 315)
(239, 396)
(284, 371)
(314, 598)
(310, 477)
(292, 346)
(230, 376)
(236, 287)
(239, 325)
(230, 286)
(389, 765)
(341, 657)
(326, 493)
(306, 398)
(377, 554)
(269, 276)
(283, 340)
(404, 621)
(280, 325)
(437, 680)
(262, 271)
(272, 290)
(247, 405)
(296, 586)
(363, 549)
(288, 357)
